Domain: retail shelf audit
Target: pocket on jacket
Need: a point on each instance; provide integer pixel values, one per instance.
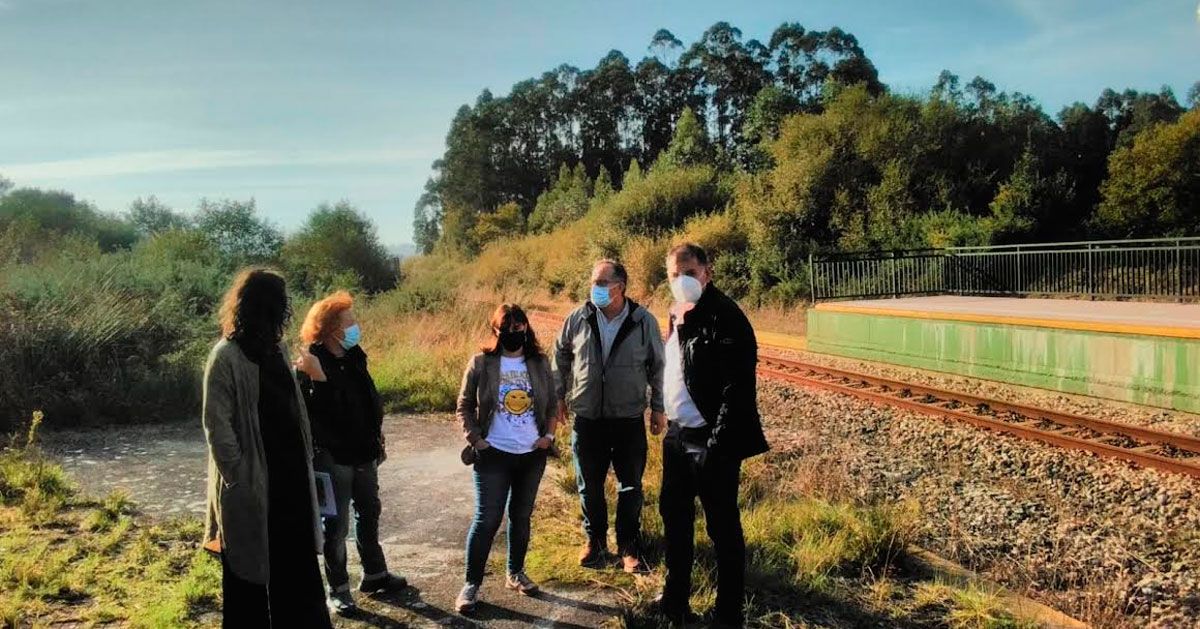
(243, 518)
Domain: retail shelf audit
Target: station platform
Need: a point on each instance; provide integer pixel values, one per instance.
(1146, 353)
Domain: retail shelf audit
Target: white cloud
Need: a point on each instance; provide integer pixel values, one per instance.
(142, 162)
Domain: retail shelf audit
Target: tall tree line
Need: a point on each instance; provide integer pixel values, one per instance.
(955, 149)
(508, 149)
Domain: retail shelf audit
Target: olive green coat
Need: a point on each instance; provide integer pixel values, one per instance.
(237, 464)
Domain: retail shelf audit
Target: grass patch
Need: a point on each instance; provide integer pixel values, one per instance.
(417, 358)
(67, 559)
(967, 607)
(800, 550)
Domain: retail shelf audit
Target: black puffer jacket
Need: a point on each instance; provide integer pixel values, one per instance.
(720, 355)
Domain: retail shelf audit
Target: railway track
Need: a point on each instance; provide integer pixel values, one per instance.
(1171, 452)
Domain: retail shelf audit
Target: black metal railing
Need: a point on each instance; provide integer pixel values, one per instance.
(1160, 268)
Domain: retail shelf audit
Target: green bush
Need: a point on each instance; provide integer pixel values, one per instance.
(665, 197)
(59, 214)
(115, 337)
(337, 248)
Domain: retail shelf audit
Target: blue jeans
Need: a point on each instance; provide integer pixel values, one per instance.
(503, 479)
(360, 483)
(621, 443)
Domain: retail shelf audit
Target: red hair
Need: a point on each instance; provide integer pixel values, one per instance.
(324, 316)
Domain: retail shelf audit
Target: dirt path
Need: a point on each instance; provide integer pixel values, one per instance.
(428, 505)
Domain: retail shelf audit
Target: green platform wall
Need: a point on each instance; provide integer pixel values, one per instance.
(1152, 370)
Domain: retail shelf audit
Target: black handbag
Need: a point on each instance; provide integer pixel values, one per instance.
(469, 455)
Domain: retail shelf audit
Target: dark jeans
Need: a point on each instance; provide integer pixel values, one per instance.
(714, 479)
(503, 479)
(621, 443)
(360, 483)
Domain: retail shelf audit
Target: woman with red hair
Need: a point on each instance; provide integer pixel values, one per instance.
(347, 420)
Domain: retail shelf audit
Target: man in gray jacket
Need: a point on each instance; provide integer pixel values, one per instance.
(609, 353)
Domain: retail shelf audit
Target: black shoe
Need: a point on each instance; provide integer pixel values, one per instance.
(594, 554)
(677, 615)
(386, 583)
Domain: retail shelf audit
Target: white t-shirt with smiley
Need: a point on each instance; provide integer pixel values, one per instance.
(514, 425)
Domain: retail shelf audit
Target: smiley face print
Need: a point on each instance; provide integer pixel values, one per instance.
(517, 401)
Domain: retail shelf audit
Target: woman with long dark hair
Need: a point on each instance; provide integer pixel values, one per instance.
(507, 406)
(262, 503)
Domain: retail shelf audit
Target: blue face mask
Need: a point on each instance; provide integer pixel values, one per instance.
(601, 296)
(351, 336)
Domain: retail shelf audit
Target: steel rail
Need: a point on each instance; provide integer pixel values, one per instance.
(1171, 452)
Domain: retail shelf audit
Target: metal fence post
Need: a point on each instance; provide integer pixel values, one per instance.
(1178, 272)
(895, 279)
(812, 279)
(1020, 283)
(1091, 287)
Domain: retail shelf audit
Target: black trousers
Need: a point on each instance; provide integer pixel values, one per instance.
(294, 597)
(690, 472)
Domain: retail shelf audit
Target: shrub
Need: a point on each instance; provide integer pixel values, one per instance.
(665, 197)
(337, 248)
(113, 337)
(645, 260)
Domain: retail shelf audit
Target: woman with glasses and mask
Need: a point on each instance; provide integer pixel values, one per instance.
(262, 503)
(347, 422)
(507, 406)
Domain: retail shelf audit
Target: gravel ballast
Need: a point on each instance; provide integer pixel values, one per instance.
(1111, 544)
(1099, 408)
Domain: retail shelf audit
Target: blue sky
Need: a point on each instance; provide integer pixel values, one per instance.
(296, 102)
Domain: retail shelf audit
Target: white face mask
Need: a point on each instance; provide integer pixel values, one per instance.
(686, 289)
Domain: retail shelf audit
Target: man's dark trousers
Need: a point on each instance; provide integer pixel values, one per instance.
(621, 443)
(690, 470)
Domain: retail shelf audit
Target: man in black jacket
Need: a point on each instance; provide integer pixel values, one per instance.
(710, 397)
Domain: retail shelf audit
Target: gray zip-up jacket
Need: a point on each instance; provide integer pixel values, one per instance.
(593, 388)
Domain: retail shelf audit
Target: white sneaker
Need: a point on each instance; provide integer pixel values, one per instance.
(522, 583)
(467, 598)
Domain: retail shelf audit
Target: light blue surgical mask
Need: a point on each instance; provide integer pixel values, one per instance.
(601, 296)
(351, 336)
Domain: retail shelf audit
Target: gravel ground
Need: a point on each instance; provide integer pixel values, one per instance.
(1105, 542)
(1159, 419)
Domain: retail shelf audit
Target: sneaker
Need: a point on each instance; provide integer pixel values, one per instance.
(341, 603)
(387, 582)
(593, 554)
(521, 583)
(467, 598)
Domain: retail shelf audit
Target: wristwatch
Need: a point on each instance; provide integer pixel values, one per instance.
(549, 436)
